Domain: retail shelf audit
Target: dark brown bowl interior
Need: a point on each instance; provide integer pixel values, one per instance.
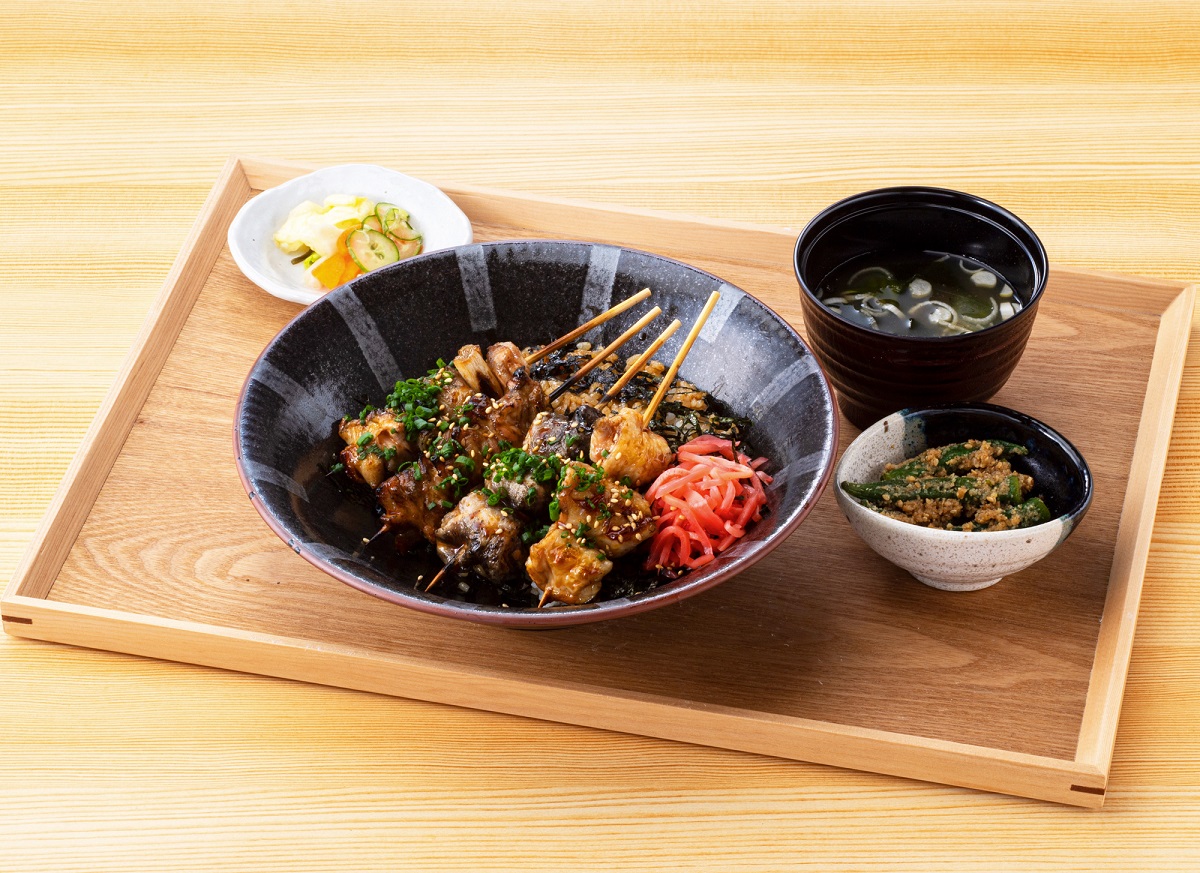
(876, 373)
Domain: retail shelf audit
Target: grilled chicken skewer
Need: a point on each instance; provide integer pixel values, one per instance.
(486, 539)
(449, 486)
(375, 446)
(623, 444)
(627, 450)
(566, 569)
(599, 519)
(470, 426)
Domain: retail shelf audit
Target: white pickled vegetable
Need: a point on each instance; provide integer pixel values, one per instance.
(920, 289)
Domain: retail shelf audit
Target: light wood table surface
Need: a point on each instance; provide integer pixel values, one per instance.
(115, 118)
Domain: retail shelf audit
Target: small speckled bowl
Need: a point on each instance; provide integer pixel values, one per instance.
(964, 560)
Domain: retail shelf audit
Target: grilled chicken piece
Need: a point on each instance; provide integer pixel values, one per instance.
(625, 448)
(482, 427)
(522, 480)
(374, 459)
(492, 538)
(504, 359)
(413, 500)
(525, 493)
(612, 517)
(474, 370)
(565, 567)
(455, 392)
(520, 388)
(488, 425)
(513, 413)
(567, 436)
(529, 392)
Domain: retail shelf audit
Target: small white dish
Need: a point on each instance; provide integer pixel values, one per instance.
(964, 560)
(435, 216)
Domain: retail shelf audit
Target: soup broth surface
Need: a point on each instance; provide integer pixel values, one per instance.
(919, 294)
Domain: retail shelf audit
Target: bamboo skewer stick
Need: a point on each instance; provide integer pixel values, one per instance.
(603, 354)
(442, 572)
(669, 376)
(584, 328)
(386, 527)
(641, 361)
(545, 595)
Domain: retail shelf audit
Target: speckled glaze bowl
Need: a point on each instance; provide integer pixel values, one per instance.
(876, 373)
(963, 560)
(351, 346)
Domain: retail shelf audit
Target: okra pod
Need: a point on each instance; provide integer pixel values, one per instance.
(966, 488)
(918, 467)
(1007, 450)
(915, 467)
(1031, 512)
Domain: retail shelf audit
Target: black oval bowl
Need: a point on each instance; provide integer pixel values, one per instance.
(876, 373)
(351, 346)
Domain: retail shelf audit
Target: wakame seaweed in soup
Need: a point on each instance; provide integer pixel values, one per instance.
(927, 294)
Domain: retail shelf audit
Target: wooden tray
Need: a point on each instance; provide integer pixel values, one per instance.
(151, 547)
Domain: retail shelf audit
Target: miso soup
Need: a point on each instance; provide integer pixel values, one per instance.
(919, 294)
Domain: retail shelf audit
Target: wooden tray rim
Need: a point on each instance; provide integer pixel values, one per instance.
(28, 611)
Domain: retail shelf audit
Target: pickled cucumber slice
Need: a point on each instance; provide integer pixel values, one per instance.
(371, 249)
(389, 213)
(401, 229)
(408, 247)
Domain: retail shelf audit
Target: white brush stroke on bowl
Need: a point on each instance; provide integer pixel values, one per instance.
(435, 216)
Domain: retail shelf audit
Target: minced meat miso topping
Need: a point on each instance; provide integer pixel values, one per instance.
(968, 486)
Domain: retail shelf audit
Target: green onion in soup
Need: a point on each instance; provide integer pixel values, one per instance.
(929, 294)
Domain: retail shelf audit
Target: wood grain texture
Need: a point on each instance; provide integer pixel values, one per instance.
(947, 716)
(1081, 117)
(1003, 672)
